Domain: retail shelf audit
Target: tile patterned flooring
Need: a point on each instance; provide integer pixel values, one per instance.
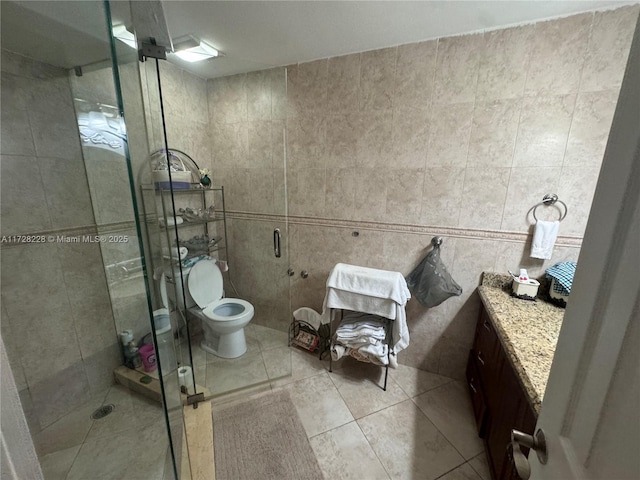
(422, 427)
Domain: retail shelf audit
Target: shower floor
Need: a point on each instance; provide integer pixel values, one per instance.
(129, 443)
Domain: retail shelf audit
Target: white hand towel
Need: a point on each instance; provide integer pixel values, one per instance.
(544, 238)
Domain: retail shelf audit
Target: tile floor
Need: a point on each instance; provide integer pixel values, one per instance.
(422, 427)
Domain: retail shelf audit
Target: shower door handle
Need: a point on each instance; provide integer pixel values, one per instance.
(276, 242)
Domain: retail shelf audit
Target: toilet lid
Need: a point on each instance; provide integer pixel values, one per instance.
(205, 282)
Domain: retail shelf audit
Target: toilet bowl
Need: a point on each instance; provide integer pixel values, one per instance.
(223, 319)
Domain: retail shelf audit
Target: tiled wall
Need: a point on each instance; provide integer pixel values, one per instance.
(458, 136)
(57, 322)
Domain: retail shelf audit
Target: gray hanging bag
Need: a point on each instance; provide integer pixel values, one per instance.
(430, 282)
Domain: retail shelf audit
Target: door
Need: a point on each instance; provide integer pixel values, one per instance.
(590, 411)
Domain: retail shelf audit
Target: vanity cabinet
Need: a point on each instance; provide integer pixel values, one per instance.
(500, 403)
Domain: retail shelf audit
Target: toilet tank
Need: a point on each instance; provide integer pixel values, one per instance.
(172, 274)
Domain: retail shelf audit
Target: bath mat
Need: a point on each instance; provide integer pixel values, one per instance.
(262, 438)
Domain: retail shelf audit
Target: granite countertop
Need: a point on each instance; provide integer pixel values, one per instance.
(528, 331)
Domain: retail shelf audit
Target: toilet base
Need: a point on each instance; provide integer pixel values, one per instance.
(228, 345)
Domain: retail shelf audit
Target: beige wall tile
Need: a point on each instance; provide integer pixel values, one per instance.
(343, 84)
(371, 194)
(503, 63)
(558, 51)
(259, 95)
(482, 207)
(307, 87)
(590, 128)
(449, 133)
(375, 145)
(442, 196)
(67, 191)
(279, 93)
(576, 189)
(410, 136)
(194, 96)
(228, 95)
(404, 194)
(230, 144)
(457, 69)
(307, 192)
(259, 141)
(306, 140)
(340, 193)
(341, 149)
(493, 134)
(608, 50)
(262, 190)
(173, 91)
(543, 131)
(527, 186)
(415, 71)
(377, 72)
(23, 210)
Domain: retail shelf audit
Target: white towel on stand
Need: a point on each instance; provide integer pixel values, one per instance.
(544, 238)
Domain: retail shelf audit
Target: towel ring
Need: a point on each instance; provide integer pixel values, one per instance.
(551, 199)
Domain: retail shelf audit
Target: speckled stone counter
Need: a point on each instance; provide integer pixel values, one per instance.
(528, 332)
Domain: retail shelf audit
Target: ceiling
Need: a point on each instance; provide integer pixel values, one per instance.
(260, 34)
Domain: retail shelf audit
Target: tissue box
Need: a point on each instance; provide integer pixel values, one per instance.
(528, 288)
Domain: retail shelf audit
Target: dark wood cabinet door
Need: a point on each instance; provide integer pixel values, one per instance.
(477, 394)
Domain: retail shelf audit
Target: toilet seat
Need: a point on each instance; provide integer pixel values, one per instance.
(205, 287)
(209, 310)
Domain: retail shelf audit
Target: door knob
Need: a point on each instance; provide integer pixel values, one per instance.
(536, 443)
(290, 272)
(304, 274)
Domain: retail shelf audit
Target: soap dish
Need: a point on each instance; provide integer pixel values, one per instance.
(526, 290)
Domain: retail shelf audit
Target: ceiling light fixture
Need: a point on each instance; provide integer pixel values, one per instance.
(191, 49)
(125, 36)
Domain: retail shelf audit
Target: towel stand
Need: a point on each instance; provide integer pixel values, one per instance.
(388, 339)
(551, 199)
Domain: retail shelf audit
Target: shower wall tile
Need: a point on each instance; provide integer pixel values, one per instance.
(230, 144)
(493, 133)
(377, 73)
(259, 95)
(608, 50)
(457, 69)
(557, 57)
(278, 93)
(449, 133)
(194, 96)
(343, 84)
(259, 144)
(342, 140)
(228, 95)
(15, 138)
(173, 91)
(543, 131)
(67, 191)
(23, 209)
(442, 196)
(590, 128)
(504, 59)
(307, 87)
(482, 207)
(262, 190)
(415, 71)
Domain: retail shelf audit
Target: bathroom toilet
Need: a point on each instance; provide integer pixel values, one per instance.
(223, 319)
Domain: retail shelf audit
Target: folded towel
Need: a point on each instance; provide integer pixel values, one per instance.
(544, 238)
(369, 281)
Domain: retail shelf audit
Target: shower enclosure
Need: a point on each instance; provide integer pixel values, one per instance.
(81, 117)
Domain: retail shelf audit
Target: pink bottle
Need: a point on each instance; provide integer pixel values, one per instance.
(148, 354)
